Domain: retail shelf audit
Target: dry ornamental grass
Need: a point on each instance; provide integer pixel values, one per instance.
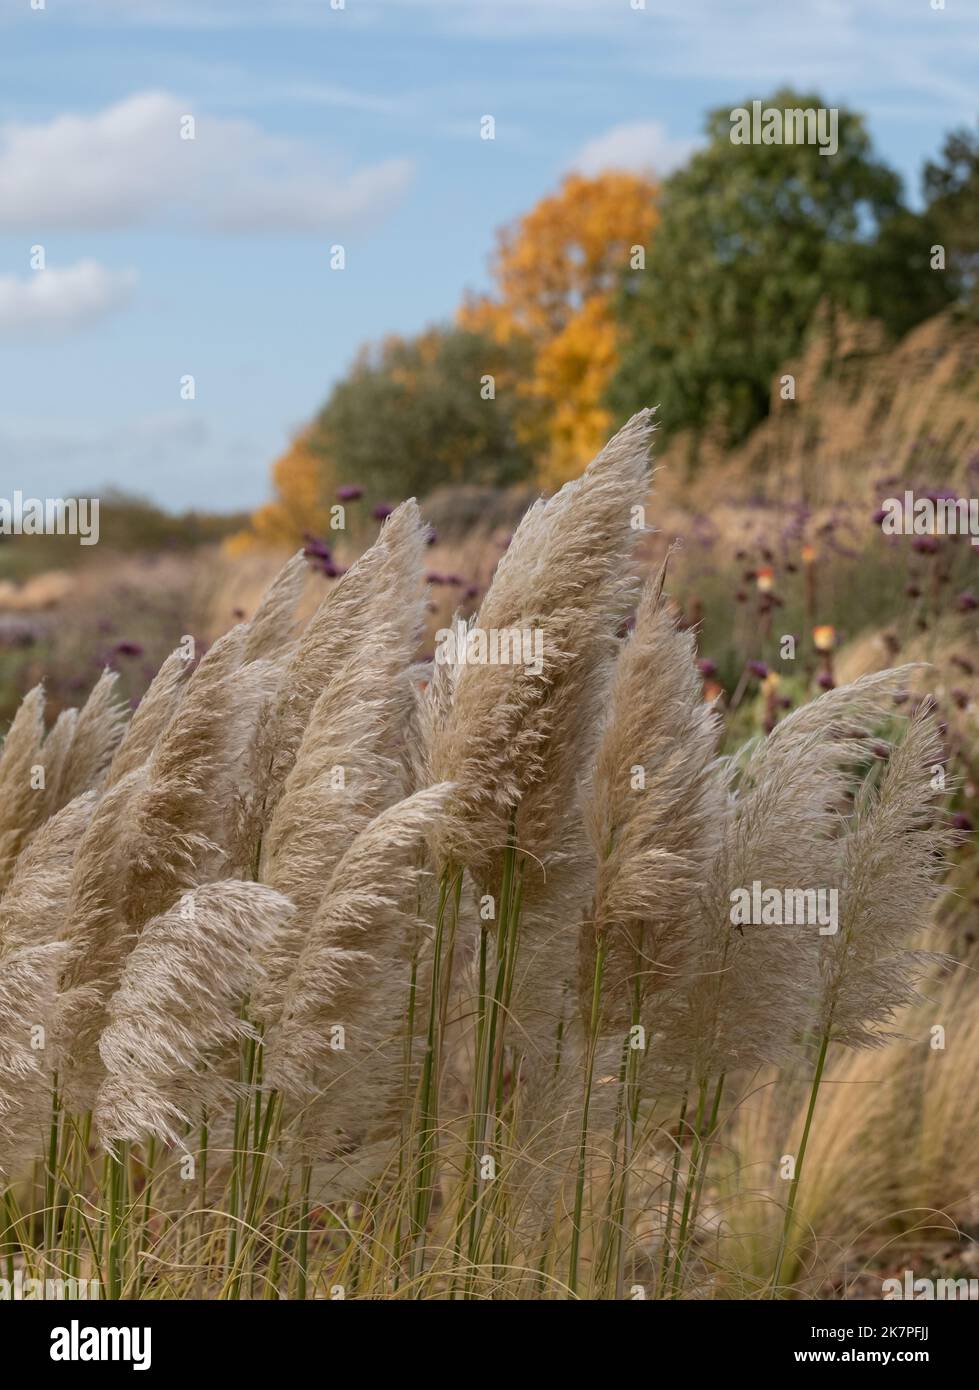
(329, 970)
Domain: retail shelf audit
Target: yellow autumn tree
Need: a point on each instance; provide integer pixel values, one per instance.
(555, 271)
(301, 503)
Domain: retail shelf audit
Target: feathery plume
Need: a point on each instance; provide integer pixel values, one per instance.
(21, 801)
(170, 1043)
(98, 730)
(151, 717)
(515, 740)
(156, 833)
(28, 978)
(343, 777)
(273, 628)
(97, 935)
(654, 811)
(56, 753)
(749, 994)
(518, 738)
(353, 973)
(34, 906)
(384, 577)
(346, 770)
(178, 817)
(843, 720)
(893, 856)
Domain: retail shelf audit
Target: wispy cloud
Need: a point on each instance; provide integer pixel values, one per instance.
(176, 458)
(129, 165)
(53, 303)
(822, 42)
(641, 146)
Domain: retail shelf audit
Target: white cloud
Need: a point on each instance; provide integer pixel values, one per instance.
(639, 145)
(52, 303)
(128, 165)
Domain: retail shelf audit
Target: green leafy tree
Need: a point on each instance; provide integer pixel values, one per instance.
(414, 414)
(951, 186)
(751, 238)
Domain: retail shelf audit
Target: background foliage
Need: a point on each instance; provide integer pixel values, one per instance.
(618, 291)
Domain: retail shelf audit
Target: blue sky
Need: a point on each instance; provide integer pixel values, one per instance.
(358, 126)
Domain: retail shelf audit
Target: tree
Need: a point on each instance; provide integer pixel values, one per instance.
(951, 187)
(304, 487)
(571, 375)
(751, 238)
(413, 414)
(555, 271)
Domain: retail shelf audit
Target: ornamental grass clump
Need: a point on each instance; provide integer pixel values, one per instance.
(331, 969)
